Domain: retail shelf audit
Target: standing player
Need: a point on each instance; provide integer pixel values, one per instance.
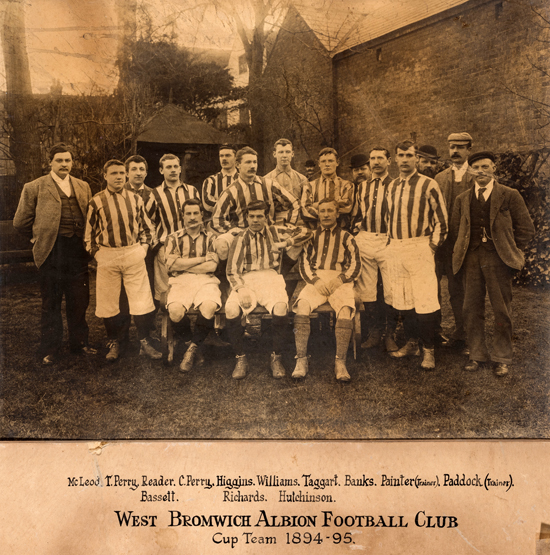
(216, 184)
(371, 236)
(417, 226)
(328, 185)
(118, 234)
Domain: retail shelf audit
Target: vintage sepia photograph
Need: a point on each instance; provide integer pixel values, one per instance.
(274, 219)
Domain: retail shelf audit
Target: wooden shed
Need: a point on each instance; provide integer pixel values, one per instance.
(174, 131)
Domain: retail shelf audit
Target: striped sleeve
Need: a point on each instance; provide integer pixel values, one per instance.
(235, 262)
(208, 193)
(90, 239)
(295, 236)
(147, 233)
(151, 207)
(285, 201)
(172, 251)
(221, 218)
(308, 196)
(357, 212)
(440, 218)
(352, 260)
(307, 270)
(345, 201)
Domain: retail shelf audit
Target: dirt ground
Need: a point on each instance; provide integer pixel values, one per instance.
(135, 398)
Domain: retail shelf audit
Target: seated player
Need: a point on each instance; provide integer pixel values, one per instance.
(253, 271)
(330, 264)
(191, 263)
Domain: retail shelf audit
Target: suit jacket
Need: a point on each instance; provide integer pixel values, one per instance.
(39, 213)
(451, 189)
(511, 226)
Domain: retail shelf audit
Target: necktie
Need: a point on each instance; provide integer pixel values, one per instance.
(480, 193)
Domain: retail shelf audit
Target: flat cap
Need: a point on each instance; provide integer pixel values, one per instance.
(310, 163)
(460, 138)
(482, 156)
(428, 151)
(358, 160)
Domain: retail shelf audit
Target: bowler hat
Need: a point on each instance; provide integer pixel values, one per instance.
(310, 163)
(482, 156)
(358, 160)
(428, 151)
(461, 138)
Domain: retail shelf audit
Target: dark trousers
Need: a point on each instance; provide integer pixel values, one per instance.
(444, 267)
(64, 273)
(484, 272)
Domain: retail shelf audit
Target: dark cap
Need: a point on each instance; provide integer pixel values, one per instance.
(481, 156)
(428, 151)
(227, 147)
(358, 160)
(310, 163)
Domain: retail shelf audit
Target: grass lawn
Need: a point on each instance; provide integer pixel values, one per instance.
(135, 398)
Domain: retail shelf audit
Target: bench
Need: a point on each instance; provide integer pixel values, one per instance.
(167, 336)
(14, 247)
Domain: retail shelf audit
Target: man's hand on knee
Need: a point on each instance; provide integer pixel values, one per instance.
(245, 297)
(322, 288)
(334, 284)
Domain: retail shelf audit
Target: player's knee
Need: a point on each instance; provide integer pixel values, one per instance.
(303, 308)
(208, 309)
(345, 312)
(176, 311)
(232, 311)
(280, 309)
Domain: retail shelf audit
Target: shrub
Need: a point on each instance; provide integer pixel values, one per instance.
(529, 173)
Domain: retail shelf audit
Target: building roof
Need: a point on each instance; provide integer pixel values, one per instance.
(172, 125)
(344, 24)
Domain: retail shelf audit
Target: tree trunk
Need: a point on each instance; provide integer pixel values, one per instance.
(21, 108)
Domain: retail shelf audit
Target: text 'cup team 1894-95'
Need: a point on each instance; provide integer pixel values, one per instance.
(284, 244)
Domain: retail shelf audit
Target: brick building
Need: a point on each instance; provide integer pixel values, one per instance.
(409, 70)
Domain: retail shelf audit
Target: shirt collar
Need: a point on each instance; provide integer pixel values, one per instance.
(202, 230)
(462, 168)
(331, 229)
(130, 187)
(488, 189)
(262, 232)
(377, 177)
(113, 193)
(279, 171)
(232, 174)
(58, 180)
(256, 180)
(181, 184)
(409, 177)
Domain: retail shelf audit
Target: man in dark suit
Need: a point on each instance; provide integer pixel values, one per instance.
(453, 181)
(490, 224)
(52, 212)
